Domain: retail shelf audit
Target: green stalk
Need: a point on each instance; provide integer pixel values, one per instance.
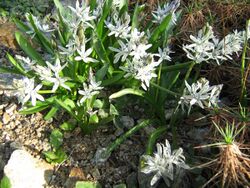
(158, 83)
(188, 74)
(180, 66)
(122, 138)
(45, 92)
(243, 95)
(165, 90)
(153, 137)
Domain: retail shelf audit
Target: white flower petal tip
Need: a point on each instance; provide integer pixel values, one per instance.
(163, 163)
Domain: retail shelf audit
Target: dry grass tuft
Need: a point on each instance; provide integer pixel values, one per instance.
(232, 167)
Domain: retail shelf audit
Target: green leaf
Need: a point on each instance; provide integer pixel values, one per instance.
(135, 18)
(93, 119)
(8, 70)
(50, 156)
(127, 91)
(34, 109)
(106, 10)
(101, 73)
(68, 126)
(57, 156)
(122, 185)
(100, 50)
(56, 138)
(5, 182)
(87, 184)
(43, 40)
(20, 25)
(58, 5)
(28, 49)
(51, 113)
(16, 65)
(113, 80)
(98, 104)
(113, 110)
(68, 105)
(161, 28)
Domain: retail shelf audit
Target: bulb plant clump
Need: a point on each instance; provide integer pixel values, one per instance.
(87, 57)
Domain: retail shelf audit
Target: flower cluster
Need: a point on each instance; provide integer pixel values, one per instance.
(206, 46)
(167, 8)
(164, 163)
(26, 90)
(201, 94)
(91, 89)
(133, 48)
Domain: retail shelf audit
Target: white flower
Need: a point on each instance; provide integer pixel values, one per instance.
(141, 69)
(201, 48)
(207, 47)
(57, 68)
(71, 47)
(231, 43)
(52, 74)
(136, 36)
(97, 12)
(163, 163)
(84, 55)
(43, 71)
(123, 52)
(91, 89)
(200, 93)
(26, 62)
(140, 50)
(29, 91)
(164, 54)
(83, 13)
(41, 26)
(167, 8)
(121, 27)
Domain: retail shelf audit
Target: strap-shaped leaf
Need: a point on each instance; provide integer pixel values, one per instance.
(161, 28)
(101, 73)
(100, 50)
(135, 18)
(113, 80)
(16, 65)
(34, 109)
(20, 25)
(127, 91)
(51, 113)
(8, 70)
(42, 38)
(28, 49)
(106, 10)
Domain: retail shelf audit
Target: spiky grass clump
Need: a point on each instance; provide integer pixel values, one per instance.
(233, 166)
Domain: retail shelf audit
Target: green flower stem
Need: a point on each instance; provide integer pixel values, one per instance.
(191, 66)
(112, 146)
(158, 83)
(45, 92)
(165, 90)
(153, 137)
(243, 95)
(180, 66)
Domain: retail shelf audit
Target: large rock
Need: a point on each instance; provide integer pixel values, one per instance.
(24, 171)
(7, 38)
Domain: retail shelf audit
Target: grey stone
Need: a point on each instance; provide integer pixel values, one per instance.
(24, 171)
(6, 118)
(11, 109)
